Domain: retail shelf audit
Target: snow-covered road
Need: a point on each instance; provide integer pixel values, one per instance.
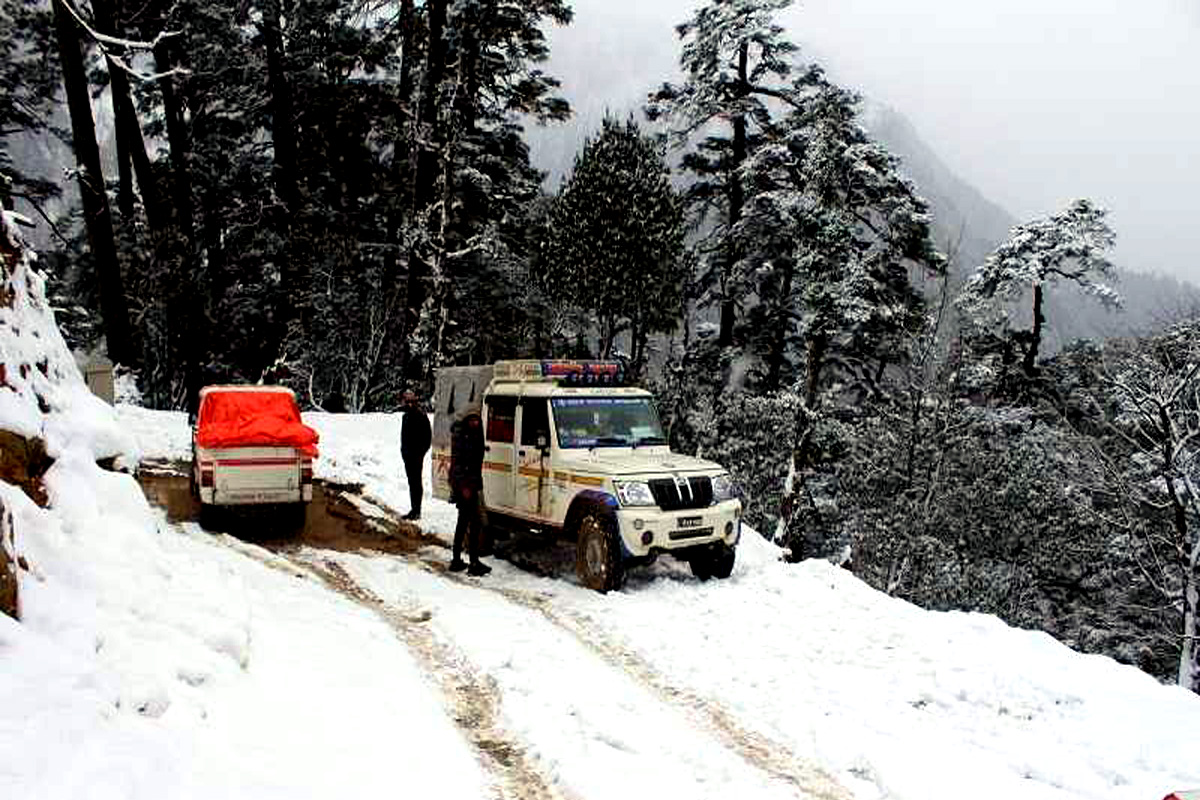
(214, 667)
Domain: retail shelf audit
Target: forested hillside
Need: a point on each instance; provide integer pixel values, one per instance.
(340, 196)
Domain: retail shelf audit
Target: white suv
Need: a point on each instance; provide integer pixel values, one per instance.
(571, 450)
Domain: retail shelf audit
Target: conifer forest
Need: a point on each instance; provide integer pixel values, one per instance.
(338, 195)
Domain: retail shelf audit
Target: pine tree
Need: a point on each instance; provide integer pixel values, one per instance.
(475, 185)
(619, 238)
(1156, 390)
(1065, 246)
(836, 226)
(92, 188)
(736, 64)
(837, 231)
(28, 85)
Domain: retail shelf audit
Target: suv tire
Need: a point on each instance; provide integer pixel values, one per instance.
(715, 561)
(597, 553)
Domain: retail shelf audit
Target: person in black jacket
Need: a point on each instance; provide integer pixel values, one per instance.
(466, 484)
(414, 444)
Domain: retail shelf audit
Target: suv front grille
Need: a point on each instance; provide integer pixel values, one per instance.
(697, 493)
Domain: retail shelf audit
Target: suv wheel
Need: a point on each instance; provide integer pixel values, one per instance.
(598, 554)
(713, 562)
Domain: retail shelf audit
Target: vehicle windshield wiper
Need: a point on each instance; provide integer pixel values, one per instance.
(603, 440)
(649, 440)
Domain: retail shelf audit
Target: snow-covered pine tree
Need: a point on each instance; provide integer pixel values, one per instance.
(736, 63)
(1157, 390)
(28, 84)
(1066, 246)
(476, 186)
(618, 232)
(840, 230)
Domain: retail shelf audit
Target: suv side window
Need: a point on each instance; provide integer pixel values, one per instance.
(535, 421)
(501, 419)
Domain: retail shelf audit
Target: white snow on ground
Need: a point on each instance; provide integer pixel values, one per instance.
(894, 701)
(158, 661)
(154, 662)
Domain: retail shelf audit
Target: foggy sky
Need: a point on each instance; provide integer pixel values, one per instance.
(1034, 102)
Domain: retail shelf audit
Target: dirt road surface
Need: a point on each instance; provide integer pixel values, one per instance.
(337, 523)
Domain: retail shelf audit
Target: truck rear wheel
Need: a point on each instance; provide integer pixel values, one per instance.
(208, 516)
(598, 554)
(297, 517)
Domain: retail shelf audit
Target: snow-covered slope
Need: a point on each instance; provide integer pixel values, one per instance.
(836, 680)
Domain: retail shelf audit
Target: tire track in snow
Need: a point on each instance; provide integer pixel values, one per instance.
(759, 751)
(473, 698)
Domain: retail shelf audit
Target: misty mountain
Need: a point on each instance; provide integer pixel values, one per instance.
(970, 226)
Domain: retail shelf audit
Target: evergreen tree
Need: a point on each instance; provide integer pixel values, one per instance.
(1065, 246)
(1155, 392)
(92, 187)
(475, 185)
(837, 228)
(619, 238)
(29, 81)
(838, 231)
(736, 64)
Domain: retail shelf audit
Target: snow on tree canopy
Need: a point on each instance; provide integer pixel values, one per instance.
(42, 394)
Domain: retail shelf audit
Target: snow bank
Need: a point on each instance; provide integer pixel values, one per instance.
(42, 394)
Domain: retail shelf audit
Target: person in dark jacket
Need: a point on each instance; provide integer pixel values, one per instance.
(466, 484)
(414, 444)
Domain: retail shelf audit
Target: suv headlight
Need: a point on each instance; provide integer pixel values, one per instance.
(634, 493)
(723, 488)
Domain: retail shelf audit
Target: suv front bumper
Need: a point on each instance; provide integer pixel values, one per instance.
(647, 528)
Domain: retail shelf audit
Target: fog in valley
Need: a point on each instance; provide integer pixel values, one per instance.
(1033, 102)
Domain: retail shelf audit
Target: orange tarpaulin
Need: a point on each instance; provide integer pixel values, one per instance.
(245, 419)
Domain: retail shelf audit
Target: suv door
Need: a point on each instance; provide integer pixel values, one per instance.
(532, 493)
(500, 418)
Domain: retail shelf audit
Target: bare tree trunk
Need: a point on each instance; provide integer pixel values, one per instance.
(128, 129)
(92, 191)
(1035, 342)
(425, 139)
(737, 201)
(403, 168)
(124, 179)
(778, 353)
(638, 339)
(283, 134)
(812, 371)
(180, 147)
(1189, 654)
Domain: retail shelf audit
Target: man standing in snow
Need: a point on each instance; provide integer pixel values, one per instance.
(414, 444)
(466, 482)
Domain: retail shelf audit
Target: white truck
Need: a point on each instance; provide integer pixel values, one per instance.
(572, 451)
(249, 448)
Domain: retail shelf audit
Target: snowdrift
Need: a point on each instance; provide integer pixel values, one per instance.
(42, 394)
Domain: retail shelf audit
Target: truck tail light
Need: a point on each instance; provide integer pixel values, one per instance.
(306, 472)
(206, 475)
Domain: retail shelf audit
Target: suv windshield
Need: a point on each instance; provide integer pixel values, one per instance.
(606, 422)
